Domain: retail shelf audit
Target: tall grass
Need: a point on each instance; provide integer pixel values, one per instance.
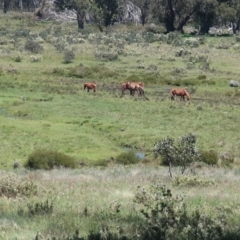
(88, 198)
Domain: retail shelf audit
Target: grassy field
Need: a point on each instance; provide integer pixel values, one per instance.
(43, 105)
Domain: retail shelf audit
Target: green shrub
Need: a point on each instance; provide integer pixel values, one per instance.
(58, 71)
(17, 58)
(192, 181)
(40, 208)
(48, 159)
(68, 56)
(33, 46)
(104, 53)
(209, 157)
(128, 157)
(166, 217)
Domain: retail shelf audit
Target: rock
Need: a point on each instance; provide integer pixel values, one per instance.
(233, 83)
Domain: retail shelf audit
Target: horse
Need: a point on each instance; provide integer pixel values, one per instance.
(124, 87)
(133, 86)
(179, 92)
(90, 86)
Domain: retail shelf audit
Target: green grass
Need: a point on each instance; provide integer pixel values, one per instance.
(44, 105)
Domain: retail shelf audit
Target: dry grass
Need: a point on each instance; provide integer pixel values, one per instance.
(89, 197)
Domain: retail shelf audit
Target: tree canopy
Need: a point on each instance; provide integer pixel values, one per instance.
(173, 15)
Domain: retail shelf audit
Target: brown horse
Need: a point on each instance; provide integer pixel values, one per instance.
(89, 86)
(133, 86)
(179, 92)
(125, 87)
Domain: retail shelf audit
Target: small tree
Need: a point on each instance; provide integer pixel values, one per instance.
(183, 154)
(166, 149)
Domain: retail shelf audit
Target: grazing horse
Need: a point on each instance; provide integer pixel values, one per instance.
(124, 87)
(90, 86)
(132, 86)
(179, 92)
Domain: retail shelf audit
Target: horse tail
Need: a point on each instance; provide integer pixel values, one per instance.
(84, 86)
(172, 93)
(124, 86)
(141, 89)
(187, 95)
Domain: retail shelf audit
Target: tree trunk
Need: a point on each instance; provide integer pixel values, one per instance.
(185, 20)
(170, 168)
(204, 28)
(20, 4)
(143, 18)
(169, 17)
(80, 20)
(6, 4)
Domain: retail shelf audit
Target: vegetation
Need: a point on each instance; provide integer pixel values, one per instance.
(61, 146)
(183, 154)
(48, 159)
(127, 158)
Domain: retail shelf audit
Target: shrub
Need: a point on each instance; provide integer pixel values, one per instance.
(166, 217)
(33, 46)
(104, 53)
(3, 41)
(36, 58)
(128, 157)
(12, 185)
(48, 159)
(68, 56)
(192, 181)
(209, 157)
(40, 208)
(58, 71)
(17, 58)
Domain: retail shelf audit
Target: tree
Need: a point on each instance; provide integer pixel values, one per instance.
(183, 154)
(144, 6)
(174, 14)
(103, 12)
(81, 7)
(206, 14)
(6, 4)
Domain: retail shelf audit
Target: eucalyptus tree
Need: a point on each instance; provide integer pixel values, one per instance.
(6, 4)
(229, 13)
(174, 14)
(206, 14)
(103, 12)
(81, 7)
(144, 7)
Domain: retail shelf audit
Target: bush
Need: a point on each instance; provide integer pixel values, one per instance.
(33, 46)
(209, 157)
(36, 58)
(127, 158)
(12, 186)
(48, 159)
(17, 58)
(192, 181)
(68, 56)
(104, 53)
(166, 217)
